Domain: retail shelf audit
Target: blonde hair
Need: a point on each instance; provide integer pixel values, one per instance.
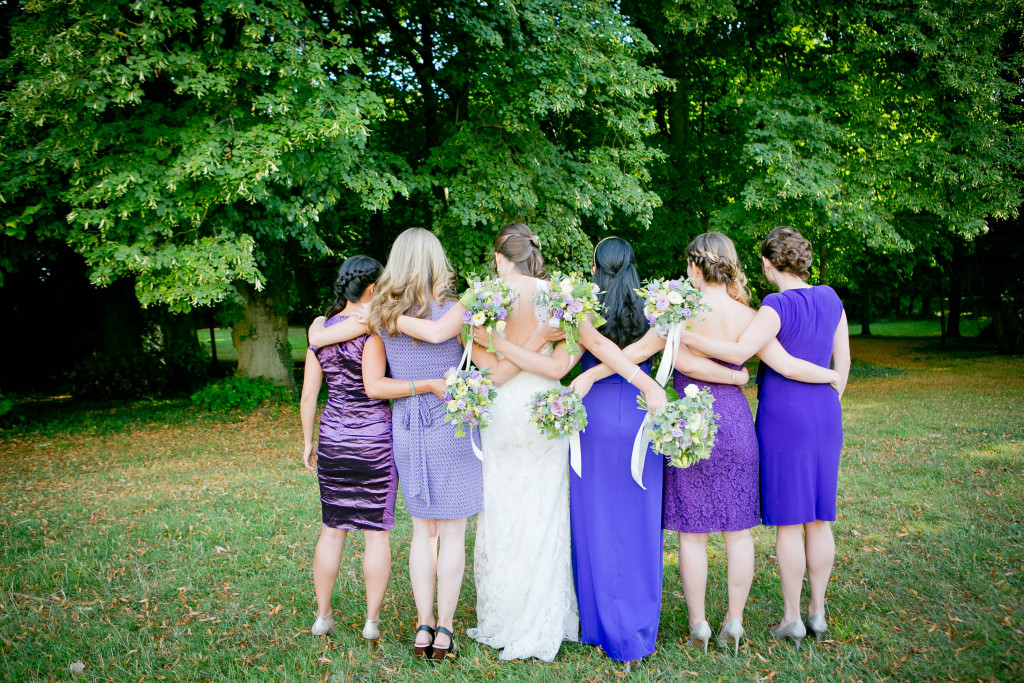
(417, 273)
(715, 255)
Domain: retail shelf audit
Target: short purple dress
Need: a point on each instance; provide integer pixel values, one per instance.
(720, 493)
(439, 475)
(355, 466)
(800, 426)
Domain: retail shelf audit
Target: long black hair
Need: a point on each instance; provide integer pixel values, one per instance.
(617, 278)
(355, 275)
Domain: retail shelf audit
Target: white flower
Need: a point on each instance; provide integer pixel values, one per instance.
(500, 326)
(554, 322)
(694, 422)
(691, 391)
(566, 286)
(479, 318)
(675, 298)
(452, 406)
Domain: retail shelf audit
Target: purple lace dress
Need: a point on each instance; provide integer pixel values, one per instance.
(355, 467)
(439, 475)
(720, 493)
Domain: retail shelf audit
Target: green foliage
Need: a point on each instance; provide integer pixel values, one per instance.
(6, 405)
(104, 375)
(240, 393)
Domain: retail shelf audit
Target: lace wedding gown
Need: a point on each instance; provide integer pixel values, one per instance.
(526, 605)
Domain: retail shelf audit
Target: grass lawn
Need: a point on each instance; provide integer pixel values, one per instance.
(226, 350)
(150, 541)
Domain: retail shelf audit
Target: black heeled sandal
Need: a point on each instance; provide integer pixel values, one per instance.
(424, 651)
(450, 652)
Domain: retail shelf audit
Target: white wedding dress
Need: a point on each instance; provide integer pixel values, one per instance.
(525, 602)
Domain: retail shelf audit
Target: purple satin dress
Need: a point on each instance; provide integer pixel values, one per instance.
(720, 493)
(800, 426)
(355, 465)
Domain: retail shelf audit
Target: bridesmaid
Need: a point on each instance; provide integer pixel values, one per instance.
(439, 475)
(799, 425)
(353, 460)
(616, 525)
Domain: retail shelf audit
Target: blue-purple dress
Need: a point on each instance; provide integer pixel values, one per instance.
(355, 466)
(616, 526)
(439, 475)
(720, 493)
(800, 426)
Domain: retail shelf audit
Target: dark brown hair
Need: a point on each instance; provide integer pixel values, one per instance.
(518, 244)
(715, 255)
(788, 251)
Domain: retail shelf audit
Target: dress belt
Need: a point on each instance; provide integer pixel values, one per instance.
(417, 488)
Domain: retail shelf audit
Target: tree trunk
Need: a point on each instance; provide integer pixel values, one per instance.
(865, 311)
(955, 303)
(122, 318)
(261, 339)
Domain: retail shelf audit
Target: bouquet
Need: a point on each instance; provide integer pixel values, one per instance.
(684, 430)
(569, 301)
(468, 395)
(558, 412)
(670, 302)
(486, 303)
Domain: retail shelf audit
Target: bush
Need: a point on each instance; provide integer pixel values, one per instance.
(119, 376)
(6, 405)
(240, 393)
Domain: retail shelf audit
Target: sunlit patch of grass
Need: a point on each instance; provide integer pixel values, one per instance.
(149, 540)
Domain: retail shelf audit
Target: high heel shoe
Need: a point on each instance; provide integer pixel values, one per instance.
(423, 651)
(731, 630)
(700, 634)
(323, 625)
(816, 625)
(450, 652)
(794, 630)
(371, 629)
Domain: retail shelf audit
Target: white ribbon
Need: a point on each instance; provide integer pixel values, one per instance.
(575, 454)
(464, 364)
(476, 449)
(636, 463)
(668, 356)
(466, 355)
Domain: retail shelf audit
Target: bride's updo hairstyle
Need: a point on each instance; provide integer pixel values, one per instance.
(416, 274)
(518, 244)
(715, 256)
(788, 251)
(615, 273)
(355, 275)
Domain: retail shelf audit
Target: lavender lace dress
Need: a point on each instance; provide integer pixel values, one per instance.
(355, 467)
(720, 493)
(439, 475)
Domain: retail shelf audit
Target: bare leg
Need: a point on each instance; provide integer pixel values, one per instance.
(789, 548)
(739, 549)
(376, 570)
(821, 554)
(326, 560)
(451, 564)
(693, 571)
(423, 572)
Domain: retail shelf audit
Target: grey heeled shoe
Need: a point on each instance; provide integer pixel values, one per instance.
(816, 625)
(323, 625)
(794, 630)
(371, 629)
(731, 630)
(700, 635)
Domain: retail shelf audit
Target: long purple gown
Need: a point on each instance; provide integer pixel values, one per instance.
(720, 493)
(800, 426)
(616, 526)
(439, 475)
(355, 466)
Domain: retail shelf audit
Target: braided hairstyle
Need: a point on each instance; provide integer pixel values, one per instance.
(715, 256)
(355, 275)
(615, 273)
(518, 244)
(788, 251)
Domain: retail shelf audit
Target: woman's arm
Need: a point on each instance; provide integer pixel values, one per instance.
(606, 350)
(794, 368)
(347, 329)
(528, 357)
(708, 370)
(761, 330)
(841, 354)
(312, 377)
(378, 385)
(433, 331)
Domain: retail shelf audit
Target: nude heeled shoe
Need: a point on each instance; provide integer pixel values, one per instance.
(323, 625)
(700, 635)
(794, 630)
(816, 624)
(731, 630)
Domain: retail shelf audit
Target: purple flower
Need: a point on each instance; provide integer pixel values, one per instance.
(565, 392)
(461, 405)
(575, 307)
(675, 285)
(558, 313)
(595, 289)
(567, 299)
(447, 397)
(497, 299)
(662, 304)
(686, 313)
(488, 306)
(501, 313)
(651, 318)
(467, 317)
(557, 408)
(677, 432)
